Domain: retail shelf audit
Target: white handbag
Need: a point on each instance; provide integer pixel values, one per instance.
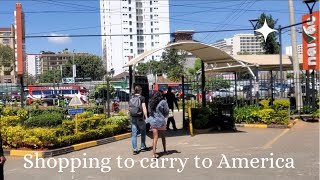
(170, 113)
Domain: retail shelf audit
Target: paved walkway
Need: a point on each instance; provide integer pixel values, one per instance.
(301, 143)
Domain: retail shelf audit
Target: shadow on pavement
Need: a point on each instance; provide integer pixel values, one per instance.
(184, 132)
(169, 152)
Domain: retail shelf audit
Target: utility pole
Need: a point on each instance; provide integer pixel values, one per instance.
(295, 60)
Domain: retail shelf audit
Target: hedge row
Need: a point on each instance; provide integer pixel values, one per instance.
(17, 133)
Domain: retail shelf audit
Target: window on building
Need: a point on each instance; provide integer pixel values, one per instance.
(156, 29)
(129, 1)
(130, 30)
(7, 73)
(131, 50)
(155, 8)
(130, 23)
(6, 41)
(150, 2)
(150, 9)
(130, 16)
(152, 44)
(151, 16)
(131, 36)
(129, 8)
(151, 23)
(124, 7)
(131, 43)
(151, 36)
(151, 30)
(140, 51)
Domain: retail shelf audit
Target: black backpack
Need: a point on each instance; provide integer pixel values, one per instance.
(135, 107)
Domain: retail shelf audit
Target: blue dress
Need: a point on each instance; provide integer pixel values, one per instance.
(158, 119)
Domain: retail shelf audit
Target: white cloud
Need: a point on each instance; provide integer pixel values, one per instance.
(59, 40)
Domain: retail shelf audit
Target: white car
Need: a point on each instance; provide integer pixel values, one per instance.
(222, 93)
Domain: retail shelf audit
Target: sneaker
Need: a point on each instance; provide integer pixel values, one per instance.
(145, 149)
(135, 152)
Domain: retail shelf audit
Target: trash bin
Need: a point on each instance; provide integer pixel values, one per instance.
(224, 117)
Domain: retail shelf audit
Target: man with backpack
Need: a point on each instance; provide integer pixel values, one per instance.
(138, 111)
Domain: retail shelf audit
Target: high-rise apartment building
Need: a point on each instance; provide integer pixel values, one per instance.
(7, 73)
(240, 43)
(126, 26)
(33, 65)
(289, 50)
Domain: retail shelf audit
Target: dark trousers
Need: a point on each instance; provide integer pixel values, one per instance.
(171, 119)
(1, 173)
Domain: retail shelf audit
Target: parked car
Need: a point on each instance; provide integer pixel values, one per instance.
(122, 95)
(222, 93)
(189, 97)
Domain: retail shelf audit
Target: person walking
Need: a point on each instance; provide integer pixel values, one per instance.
(159, 111)
(2, 160)
(138, 111)
(171, 98)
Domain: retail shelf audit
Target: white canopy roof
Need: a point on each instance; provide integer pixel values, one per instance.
(219, 60)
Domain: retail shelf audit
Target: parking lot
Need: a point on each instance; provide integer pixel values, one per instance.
(301, 144)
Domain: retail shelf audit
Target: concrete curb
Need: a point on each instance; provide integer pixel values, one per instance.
(268, 126)
(68, 149)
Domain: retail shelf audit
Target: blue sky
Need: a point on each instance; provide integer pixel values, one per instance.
(45, 17)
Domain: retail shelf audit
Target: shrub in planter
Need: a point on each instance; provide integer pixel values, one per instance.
(246, 114)
(265, 103)
(10, 121)
(95, 109)
(200, 117)
(85, 114)
(281, 104)
(23, 114)
(13, 136)
(68, 126)
(40, 138)
(316, 114)
(281, 117)
(88, 123)
(44, 120)
(8, 111)
(121, 121)
(266, 116)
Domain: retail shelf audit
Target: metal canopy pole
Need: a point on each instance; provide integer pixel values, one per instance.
(203, 81)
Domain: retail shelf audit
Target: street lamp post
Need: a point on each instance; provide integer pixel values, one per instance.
(310, 8)
(109, 75)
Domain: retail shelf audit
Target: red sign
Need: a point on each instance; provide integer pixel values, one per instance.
(311, 36)
(20, 39)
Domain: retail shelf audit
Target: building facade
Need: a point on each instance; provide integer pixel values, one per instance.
(133, 22)
(240, 44)
(289, 50)
(7, 73)
(33, 65)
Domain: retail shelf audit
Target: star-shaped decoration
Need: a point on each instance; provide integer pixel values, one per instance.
(265, 30)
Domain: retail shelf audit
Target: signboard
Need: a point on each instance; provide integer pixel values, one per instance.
(75, 101)
(69, 80)
(311, 36)
(75, 111)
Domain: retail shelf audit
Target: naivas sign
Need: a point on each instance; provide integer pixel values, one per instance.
(311, 36)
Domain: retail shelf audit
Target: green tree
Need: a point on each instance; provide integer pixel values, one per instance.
(173, 63)
(271, 45)
(87, 66)
(217, 83)
(51, 76)
(29, 79)
(6, 55)
(196, 67)
(153, 67)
